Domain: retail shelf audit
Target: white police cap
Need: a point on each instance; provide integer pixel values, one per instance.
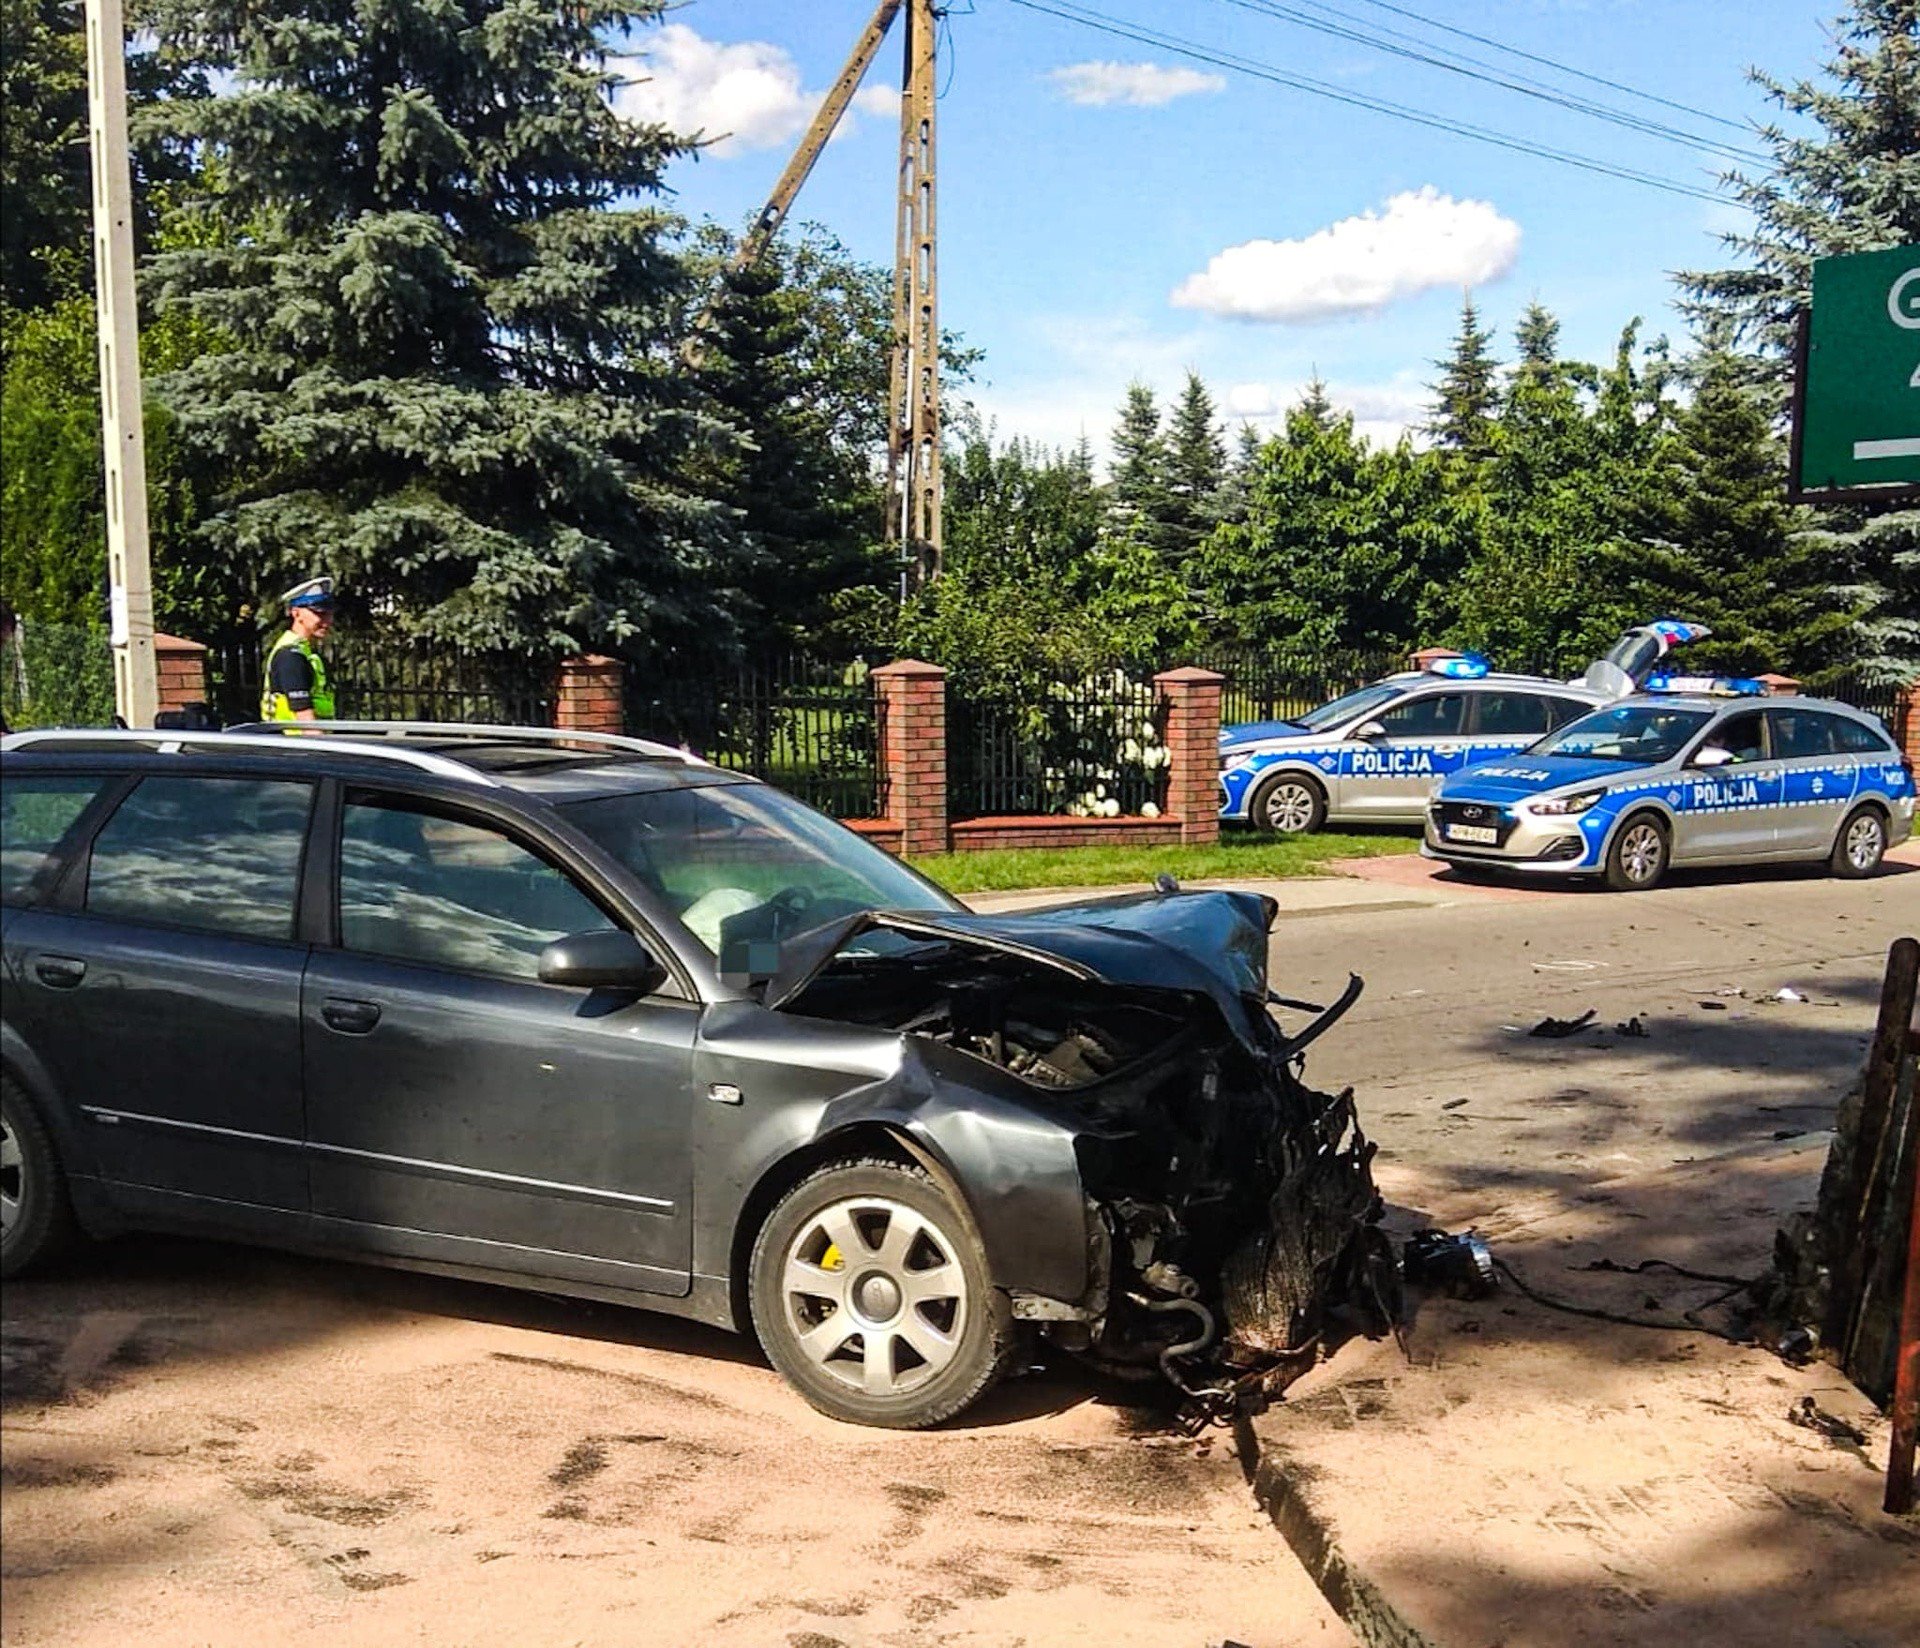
(315, 592)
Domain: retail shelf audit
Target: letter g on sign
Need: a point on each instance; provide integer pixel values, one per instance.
(1903, 301)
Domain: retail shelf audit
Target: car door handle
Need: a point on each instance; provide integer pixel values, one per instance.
(59, 972)
(350, 1018)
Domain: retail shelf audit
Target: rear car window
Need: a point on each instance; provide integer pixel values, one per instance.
(1438, 716)
(217, 855)
(418, 886)
(1798, 734)
(1857, 738)
(1517, 713)
(36, 811)
(1562, 710)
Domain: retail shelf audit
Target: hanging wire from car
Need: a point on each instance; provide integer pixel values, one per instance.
(1690, 1321)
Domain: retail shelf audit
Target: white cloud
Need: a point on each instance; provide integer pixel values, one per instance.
(1382, 412)
(741, 96)
(1421, 240)
(1141, 85)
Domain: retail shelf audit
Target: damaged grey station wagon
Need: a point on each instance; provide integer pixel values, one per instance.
(587, 1014)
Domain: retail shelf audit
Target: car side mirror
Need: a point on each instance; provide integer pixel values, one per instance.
(1711, 755)
(608, 960)
(1370, 730)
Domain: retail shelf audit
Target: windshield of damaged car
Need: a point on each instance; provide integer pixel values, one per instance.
(1640, 735)
(1346, 707)
(746, 867)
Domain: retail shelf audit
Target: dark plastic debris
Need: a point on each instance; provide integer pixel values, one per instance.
(1633, 1029)
(1460, 1265)
(1563, 1027)
(1809, 1415)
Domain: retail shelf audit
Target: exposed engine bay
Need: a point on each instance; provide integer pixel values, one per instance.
(1232, 1215)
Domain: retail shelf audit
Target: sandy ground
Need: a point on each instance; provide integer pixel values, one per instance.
(209, 1446)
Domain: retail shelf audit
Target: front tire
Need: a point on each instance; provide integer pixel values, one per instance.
(1640, 855)
(36, 1218)
(1289, 803)
(1860, 845)
(871, 1296)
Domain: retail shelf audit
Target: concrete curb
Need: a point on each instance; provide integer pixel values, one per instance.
(1282, 1487)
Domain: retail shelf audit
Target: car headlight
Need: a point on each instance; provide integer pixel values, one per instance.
(1234, 759)
(1561, 806)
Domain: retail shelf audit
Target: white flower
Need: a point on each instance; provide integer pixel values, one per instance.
(1149, 810)
(1109, 808)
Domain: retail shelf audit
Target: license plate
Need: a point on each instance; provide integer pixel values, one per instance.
(1478, 834)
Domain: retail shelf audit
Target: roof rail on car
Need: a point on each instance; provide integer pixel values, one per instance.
(479, 731)
(168, 741)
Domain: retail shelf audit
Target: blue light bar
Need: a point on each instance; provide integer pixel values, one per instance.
(1467, 666)
(1712, 686)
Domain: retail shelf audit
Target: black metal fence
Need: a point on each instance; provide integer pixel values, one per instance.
(379, 678)
(1278, 685)
(809, 725)
(1877, 694)
(1089, 748)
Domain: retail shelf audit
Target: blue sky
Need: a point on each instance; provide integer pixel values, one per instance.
(1085, 208)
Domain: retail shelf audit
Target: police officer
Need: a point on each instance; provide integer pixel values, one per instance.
(296, 687)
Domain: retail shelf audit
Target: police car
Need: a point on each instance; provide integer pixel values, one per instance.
(1682, 778)
(1372, 755)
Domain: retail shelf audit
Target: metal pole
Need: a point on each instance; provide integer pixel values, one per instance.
(129, 573)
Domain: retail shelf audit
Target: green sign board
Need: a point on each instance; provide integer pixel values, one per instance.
(1857, 410)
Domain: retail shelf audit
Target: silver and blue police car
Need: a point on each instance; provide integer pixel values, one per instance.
(1676, 778)
(1372, 755)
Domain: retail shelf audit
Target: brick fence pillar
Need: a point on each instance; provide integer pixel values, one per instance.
(180, 672)
(1908, 732)
(1193, 737)
(588, 696)
(1779, 686)
(913, 706)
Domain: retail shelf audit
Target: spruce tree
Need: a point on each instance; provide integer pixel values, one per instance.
(1850, 184)
(1467, 395)
(448, 301)
(1724, 546)
(1139, 494)
(1196, 468)
(796, 360)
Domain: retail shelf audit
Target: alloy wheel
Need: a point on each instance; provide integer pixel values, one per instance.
(1642, 853)
(13, 1177)
(874, 1295)
(1289, 808)
(1864, 842)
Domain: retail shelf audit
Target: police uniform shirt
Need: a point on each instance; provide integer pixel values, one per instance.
(290, 673)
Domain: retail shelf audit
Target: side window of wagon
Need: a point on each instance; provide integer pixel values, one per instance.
(420, 886)
(1857, 738)
(218, 855)
(1504, 714)
(36, 811)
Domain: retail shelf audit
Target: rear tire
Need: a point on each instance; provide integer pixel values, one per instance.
(1640, 855)
(1860, 845)
(36, 1217)
(871, 1296)
(1289, 803)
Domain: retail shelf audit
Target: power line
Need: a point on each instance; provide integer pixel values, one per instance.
(1556, 65)
(1142, 35)
(1455, 62)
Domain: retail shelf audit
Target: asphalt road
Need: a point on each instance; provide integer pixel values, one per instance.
(1471, 1110)
(205, 1445)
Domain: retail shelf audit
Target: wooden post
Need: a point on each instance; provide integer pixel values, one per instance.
(1906, 1371)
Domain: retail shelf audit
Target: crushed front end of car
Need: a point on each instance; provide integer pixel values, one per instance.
(1231, 1219)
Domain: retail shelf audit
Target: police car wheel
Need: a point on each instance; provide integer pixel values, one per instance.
(1860, 846)
(1637, 859)
(1290, 804)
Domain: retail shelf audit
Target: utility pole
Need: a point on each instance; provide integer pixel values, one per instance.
(129, 571)
(913, 403)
